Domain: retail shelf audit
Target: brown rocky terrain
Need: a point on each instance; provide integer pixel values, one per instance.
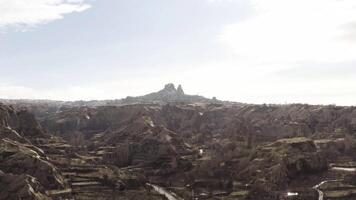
(239, 142)
(20, 187)
(37, 166)
(176, 146)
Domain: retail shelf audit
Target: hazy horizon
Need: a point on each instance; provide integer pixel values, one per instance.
(250, 51)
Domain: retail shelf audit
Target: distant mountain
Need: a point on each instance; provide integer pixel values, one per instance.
(168, 94)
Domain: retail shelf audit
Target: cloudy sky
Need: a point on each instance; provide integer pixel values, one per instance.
(256, 51)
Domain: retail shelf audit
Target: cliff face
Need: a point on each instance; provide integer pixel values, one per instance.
(25, 171)
(21, 122)
(19, 158)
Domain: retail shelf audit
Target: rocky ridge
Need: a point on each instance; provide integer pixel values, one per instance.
(193, 149)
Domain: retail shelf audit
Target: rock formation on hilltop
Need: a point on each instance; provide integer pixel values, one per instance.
(168, 94)
(180, 90)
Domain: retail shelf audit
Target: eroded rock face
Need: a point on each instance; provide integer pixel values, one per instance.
(21, 123)
(24, 169)
(274, 165)
(216, 143)
(20, 187)
(135, 127)
(16, 158)
(143, 143)
(8, 132)
(7, 115)
(264, 123)
(28, 126)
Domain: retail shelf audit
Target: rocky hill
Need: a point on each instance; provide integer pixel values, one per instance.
(169, 145)
(168, 94)
(212, 146)
(35, 165)
(25, 171)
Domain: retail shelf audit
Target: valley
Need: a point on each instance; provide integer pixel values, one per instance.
(169, 145)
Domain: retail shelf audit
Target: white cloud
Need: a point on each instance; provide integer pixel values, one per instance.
(289, 31)
(22, 13)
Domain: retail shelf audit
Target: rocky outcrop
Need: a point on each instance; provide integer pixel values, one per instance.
(17, 158)
(166, 95)
(20, 123)
(25, 170)
(144, 143)
(276, 164)
(180, 90)
(20, 187)
(28, 126)
(169, 94)
(8, 132)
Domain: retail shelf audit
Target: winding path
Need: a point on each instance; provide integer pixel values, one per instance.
(162, 191)
(316, 187)
(321, 194)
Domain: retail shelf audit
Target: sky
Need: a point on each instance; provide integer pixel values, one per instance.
(251, 51)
